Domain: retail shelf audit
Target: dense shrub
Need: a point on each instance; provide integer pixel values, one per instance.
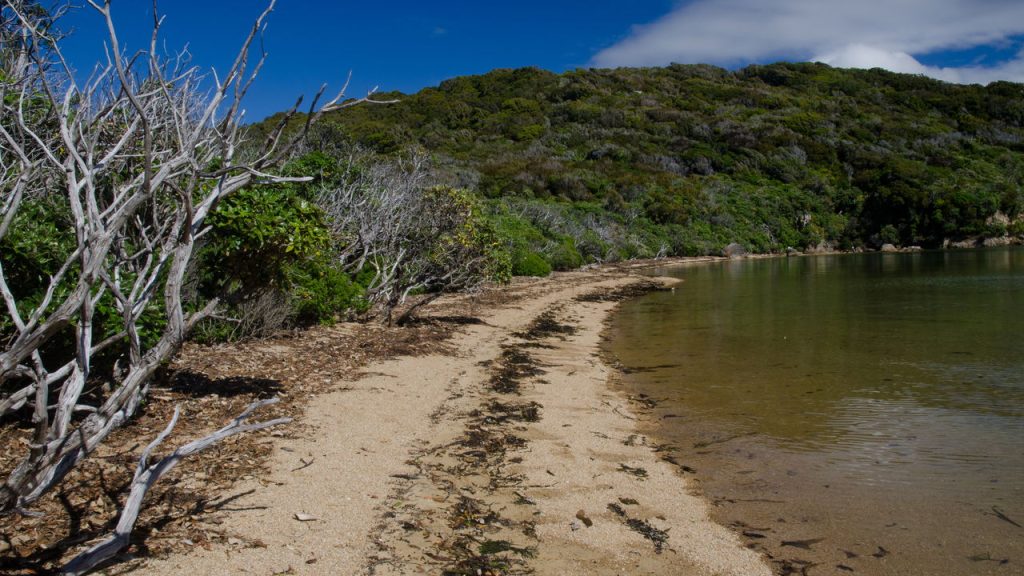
(530, 264)
(562, 255)
(259, 235)
(323, 291)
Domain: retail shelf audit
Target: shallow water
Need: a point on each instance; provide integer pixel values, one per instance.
(875, 402)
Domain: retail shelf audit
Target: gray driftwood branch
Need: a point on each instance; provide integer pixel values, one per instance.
(139, 156)
(146, 475)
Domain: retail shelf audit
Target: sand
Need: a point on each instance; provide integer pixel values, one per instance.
(421, 466)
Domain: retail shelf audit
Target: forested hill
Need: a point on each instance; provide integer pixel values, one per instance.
(687, 159)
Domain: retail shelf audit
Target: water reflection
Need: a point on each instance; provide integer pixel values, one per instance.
(870, 382)
(805, 335)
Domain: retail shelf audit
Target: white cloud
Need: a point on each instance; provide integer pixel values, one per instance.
(844, 33)
(862, 56)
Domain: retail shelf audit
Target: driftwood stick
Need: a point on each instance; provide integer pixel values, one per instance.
(17, 400)
(146, 475)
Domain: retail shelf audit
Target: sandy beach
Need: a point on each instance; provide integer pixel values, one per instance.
(503, 451)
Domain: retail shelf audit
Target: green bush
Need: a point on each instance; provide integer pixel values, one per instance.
(270, 257)
(322, 293)
(530, 264)
(889, 235)
(258, 235)
(563, 255)
(39, 240)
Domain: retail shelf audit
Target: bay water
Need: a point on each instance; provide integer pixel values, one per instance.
(845, 414)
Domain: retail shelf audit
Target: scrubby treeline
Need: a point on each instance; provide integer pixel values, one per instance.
(682, 160)
(358, 240)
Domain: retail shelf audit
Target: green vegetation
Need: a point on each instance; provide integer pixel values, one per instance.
(595, 165)
(343, 244)
(550, 172)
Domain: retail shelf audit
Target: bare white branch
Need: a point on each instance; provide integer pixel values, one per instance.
(125, 160)
(146, 475)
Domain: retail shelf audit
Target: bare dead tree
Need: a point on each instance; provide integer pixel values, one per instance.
(139, 155)
(597, 236)
(392, 218)
(370, 210)
(448, 248)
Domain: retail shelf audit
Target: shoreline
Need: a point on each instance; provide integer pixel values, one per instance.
(506, 452)
(830, 505)
(401, 393)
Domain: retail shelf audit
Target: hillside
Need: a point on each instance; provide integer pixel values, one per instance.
(686, 159)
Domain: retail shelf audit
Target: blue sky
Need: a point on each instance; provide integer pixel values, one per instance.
(404, 45)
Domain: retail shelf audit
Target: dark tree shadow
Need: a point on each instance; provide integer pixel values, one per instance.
(41, 561)
(196, 385)
(435, 320)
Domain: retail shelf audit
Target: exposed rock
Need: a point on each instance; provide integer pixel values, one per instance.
(978, 241)
(998, 218)
(969, 243)
(582, 517)
(734, 250)
(1000, 241)
(821, 248)
(888, 248)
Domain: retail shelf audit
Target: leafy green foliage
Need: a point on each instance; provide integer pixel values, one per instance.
(322, 291)
(691, 158)
(38, 243)
(259, 233)
(462, 245)
(270, 253)
(529, 264)
(39, 240)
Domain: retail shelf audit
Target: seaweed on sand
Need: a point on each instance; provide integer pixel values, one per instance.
(644, 528)
(514, 366)
(624, 293)
(544, 326)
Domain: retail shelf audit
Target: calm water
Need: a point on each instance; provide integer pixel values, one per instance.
(869, 407)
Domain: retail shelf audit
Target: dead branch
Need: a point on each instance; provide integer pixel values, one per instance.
(135, 159)
(146, 475)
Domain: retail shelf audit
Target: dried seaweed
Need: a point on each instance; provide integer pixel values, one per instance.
(803, 544)
(514, 366)
(634, 471)
(545, 326)
(500, 412)
(657, 536)
(624, 293)
(617, 510)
